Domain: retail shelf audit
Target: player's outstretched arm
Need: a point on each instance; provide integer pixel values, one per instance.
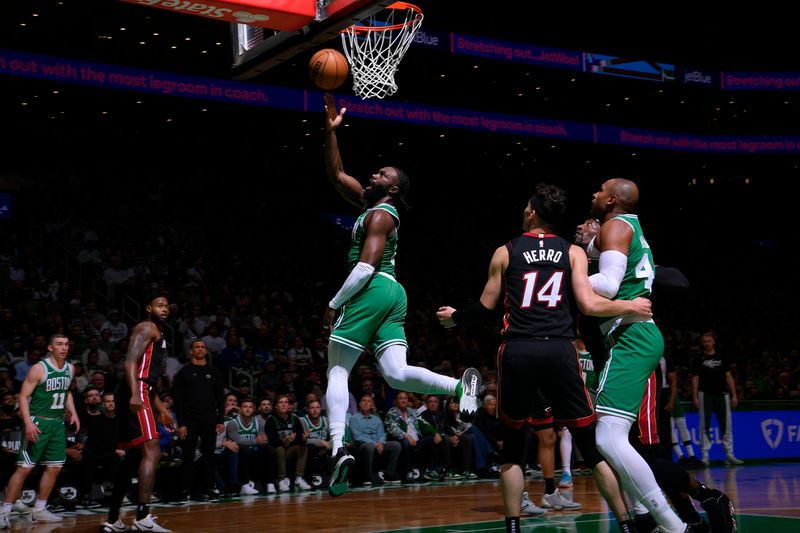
(590, 303)
(349, 187)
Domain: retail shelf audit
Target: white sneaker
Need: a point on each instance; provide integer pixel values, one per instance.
(558, 502)
(44, 516)
(20, 508)
(528, 508)
(271, 488)
(148, 523)
(116, 527)
(470, 387)
(4, 522)
(300, 483)
(732, 460)
(248, 489)
(284, 485)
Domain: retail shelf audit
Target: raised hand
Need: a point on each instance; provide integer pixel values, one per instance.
(333, 119)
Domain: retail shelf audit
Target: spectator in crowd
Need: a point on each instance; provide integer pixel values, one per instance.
(300, 354)
(264, 409)
(214, 341)
(318, 438)
(231, 406)
(714, 393)
(468, 436)
(437, 418)
(287, 436)
(199, 406)
(92, 400)
(101, 455)
(21, 369)
(415, 436)
(369, 443)
(81, 379)
(118, 328)
(489, 424)
(246, 450)
(94, 346)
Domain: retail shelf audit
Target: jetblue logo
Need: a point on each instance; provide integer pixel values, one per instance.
(773, 437)
(697, 77)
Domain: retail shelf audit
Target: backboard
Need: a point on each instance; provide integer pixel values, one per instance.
(257, 49)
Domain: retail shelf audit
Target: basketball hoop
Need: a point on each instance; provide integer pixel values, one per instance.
(375, 47)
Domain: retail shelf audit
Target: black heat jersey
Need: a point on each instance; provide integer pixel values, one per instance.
(153, 362)
(539, 298)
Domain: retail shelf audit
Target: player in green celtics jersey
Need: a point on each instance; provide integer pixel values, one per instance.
(635, 344)
(370, 308)
(42, 401)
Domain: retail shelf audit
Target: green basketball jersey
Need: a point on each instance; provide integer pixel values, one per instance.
(319, 431)
(589, 374)
(359, 236)
(247, 433)
(50, 394)
(639, 272)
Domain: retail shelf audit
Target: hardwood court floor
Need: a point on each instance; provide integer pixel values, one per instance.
(767, 499)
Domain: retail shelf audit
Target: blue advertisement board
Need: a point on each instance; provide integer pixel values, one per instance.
(756, 435)
(5, 205)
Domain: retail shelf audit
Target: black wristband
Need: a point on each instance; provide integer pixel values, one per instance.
(472, 314)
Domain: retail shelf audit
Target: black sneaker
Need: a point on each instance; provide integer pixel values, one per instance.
(694, 462)
(645, 523)
(468, 400)
(720, 512)
(699, 527)
(342, 462)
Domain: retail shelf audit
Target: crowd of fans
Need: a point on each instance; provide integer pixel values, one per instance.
(257, 306)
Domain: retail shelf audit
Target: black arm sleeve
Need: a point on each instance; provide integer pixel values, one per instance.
(472, 314)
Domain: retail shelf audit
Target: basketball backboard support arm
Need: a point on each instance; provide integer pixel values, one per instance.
(256, 50)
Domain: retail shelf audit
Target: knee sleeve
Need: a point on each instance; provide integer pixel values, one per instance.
(401, 376)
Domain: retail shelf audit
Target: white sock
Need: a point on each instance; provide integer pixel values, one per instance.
(657, 504)
(566, 451)
(401, 376)
(635, 475)
(341, 359)
(40, 505)
(337, 436)
(677, 449)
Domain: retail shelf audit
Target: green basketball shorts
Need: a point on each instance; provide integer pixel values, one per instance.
(374, 317)
(634, 351)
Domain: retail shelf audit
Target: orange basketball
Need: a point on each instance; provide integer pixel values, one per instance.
(328, 69)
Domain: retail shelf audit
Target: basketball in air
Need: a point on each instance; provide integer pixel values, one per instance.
(328, 69)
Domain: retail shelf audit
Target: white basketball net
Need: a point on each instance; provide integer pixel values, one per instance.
(375, 48)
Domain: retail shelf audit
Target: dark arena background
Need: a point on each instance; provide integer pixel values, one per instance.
(133, 145)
